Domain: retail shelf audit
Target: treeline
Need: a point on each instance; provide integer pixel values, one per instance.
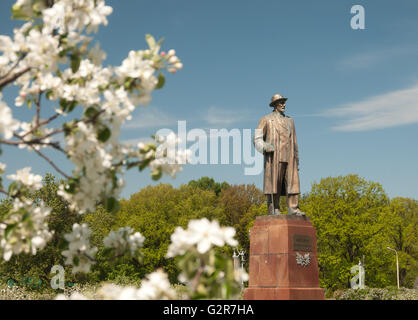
(354, 220)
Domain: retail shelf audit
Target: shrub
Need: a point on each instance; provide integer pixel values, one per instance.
(389, 293)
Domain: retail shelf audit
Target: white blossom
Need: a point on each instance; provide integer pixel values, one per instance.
(71, 15)
(42, 51)
(7, 123)
(111, 291)
(47, 81)
(92, 162)
(41, 47)
(135, 66)
(28, 179)
(41, 131)
(79, 254)
(8, 49)
(168, 157)
(240, 275)
(123, 240)
(26, 6)
(156, 287)
(73, 296)
(118, 104)
(30, 231)
(201, 234)
(96, 55)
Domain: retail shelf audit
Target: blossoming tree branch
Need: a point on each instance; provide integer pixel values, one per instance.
(52, 57)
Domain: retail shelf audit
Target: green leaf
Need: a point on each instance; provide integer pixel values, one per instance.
(72, 184)
(144, 164)
(156, 174)
(76, 260)
(90, 112)
(29, 103)
(104, 134)
(150, 40)
(160, 42)
(67, 128)
(63, 104)
(9, 228)
(13, 189)
(48, 94)
(161, 81)
(112, 205)
(128, 82)
(75, 62)
(62, 244)
(72, 105)
(26, 216)
(18, 14)
(107, 251)
(62, 53)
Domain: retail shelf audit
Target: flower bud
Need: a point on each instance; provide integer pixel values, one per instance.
(172, 70)
(162, 53)
(171, 52)
(173, 59)
(178, 65)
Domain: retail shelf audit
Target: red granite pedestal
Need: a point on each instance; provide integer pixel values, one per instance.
(274, 271)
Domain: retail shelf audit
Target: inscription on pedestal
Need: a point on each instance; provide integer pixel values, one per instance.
(302, 243)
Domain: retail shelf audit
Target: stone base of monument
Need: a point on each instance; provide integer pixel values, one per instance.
(283, 260)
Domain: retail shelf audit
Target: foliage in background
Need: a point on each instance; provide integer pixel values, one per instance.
(206, 183)
(353, 218)
(390, 293)
(38, 267)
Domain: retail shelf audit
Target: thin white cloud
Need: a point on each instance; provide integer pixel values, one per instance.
(221, 116)
(215, 133)
(146, 117)
(371, 58)
(391, 109)
(134, 142)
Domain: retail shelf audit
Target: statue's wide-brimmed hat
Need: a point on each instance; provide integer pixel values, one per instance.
(277, 97)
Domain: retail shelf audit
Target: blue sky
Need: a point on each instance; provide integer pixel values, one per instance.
(352, 93)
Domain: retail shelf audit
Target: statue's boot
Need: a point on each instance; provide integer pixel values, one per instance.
(277, 212)
(293, 205)
(295, 212)
(273, 209)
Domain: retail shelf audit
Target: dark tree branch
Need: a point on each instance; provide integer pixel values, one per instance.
(9, 79)
(4, 191)
(38, 109)
(52, 164)
(41, 123)
(14, 66)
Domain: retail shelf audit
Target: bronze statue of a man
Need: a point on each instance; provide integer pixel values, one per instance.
(275, 138)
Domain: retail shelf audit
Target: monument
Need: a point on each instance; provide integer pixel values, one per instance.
(283, 257)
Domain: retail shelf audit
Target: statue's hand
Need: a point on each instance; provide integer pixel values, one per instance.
(269, 147)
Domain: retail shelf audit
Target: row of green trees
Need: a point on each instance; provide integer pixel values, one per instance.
(354, 220)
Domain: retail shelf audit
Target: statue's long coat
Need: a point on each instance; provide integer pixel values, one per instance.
(269, 127)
